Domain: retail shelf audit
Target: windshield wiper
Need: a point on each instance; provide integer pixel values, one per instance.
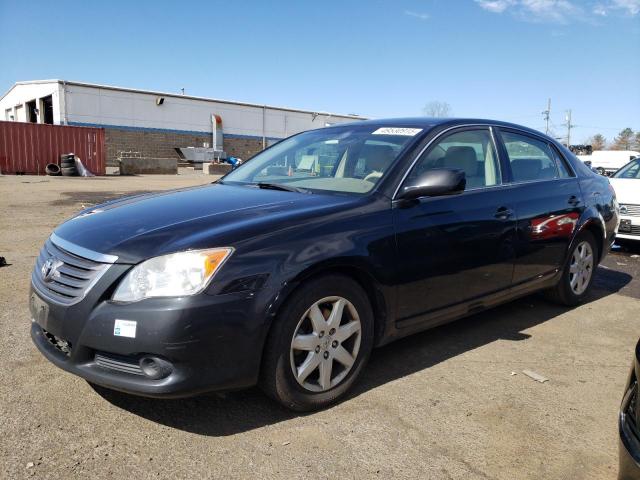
(280, 186)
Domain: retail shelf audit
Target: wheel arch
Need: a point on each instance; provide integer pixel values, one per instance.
(354, 270)
(592, 222)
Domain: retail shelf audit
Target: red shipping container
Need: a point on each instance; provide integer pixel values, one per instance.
(28, 147)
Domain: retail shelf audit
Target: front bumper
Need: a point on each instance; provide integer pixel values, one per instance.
(211, 342)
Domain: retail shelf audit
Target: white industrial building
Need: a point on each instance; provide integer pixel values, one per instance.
(155, 123)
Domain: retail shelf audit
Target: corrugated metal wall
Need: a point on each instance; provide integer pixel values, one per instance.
(29, 147)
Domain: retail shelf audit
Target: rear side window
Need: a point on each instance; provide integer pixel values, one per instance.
(530, 159)
(563, 168)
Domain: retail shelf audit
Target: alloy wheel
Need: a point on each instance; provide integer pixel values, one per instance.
(325, 344)
(581, 268)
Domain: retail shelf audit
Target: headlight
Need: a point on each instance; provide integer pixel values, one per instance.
(174, 275)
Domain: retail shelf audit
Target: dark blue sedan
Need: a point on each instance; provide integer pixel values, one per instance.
(290, 269)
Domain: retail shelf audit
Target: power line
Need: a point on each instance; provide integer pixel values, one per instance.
(601, 128)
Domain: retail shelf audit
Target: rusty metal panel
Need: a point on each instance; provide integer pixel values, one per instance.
(29, 147)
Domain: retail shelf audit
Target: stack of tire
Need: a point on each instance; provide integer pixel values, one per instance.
(68, 165)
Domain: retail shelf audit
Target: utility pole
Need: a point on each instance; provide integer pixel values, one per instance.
(569, 127)
(546, 114)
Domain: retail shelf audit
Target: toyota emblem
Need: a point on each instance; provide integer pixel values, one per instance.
(49, 269)
(623, 209)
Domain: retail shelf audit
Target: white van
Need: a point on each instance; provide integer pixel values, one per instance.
(607, 162)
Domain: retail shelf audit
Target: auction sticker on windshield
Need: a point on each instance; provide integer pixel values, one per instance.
(408, 132)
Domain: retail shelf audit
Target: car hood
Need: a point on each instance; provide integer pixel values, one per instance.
(144, 226)
(627, 189)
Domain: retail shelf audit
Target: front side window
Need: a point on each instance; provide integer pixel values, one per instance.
(471, 151)
(630, 170)
(340, 159)
(530, 159)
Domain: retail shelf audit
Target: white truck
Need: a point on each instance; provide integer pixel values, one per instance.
(606, 162)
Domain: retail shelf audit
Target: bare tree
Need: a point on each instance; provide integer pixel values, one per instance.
(624, 140)
(636, 141)
(598, 142)
(437, 108)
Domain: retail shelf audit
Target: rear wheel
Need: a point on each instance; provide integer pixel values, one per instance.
(319, 344)
(577, 276)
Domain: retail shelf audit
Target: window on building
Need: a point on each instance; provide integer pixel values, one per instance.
(32, 112)
(46, 113)
(8, 114)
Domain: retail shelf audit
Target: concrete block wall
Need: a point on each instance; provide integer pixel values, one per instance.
(162, 144)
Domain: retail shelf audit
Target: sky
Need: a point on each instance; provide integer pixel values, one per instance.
(498, 59)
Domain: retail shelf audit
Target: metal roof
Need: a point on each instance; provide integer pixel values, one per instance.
(178, 95)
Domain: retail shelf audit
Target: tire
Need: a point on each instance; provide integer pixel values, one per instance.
(52, 169)
(67, 161)
(69, 172)
(570, 290)
(309, 389)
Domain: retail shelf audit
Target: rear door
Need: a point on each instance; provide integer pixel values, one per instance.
(548, 203)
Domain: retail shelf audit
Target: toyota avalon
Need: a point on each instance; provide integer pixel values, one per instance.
(288, 271)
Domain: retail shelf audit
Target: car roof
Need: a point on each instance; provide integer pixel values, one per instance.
(429, 123)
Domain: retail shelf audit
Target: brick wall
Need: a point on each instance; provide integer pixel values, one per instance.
(162, 144)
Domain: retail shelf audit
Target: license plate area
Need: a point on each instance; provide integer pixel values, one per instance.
(625, 226)
(39, 310)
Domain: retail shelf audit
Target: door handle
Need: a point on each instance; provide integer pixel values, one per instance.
(573, 201)
(503, 213)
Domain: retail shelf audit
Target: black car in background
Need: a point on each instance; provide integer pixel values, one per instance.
(290, 269)
(629, 424)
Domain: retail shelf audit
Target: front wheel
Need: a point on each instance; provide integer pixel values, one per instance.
(577, 276)
(319, 344)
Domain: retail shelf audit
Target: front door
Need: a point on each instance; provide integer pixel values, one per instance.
(454, 249)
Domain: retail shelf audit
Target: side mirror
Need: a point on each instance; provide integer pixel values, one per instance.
(434, 183)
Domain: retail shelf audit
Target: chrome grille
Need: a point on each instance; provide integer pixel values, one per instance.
(73, 275)
(118, 363)
(631, 209)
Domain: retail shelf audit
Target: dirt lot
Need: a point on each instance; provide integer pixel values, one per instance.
(442, 404)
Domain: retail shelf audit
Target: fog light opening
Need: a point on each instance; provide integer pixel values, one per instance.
(154, 367)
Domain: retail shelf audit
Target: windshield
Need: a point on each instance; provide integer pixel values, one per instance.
(630, 170)
(346, 160)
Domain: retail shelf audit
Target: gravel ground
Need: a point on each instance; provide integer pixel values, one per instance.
(449, 403)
